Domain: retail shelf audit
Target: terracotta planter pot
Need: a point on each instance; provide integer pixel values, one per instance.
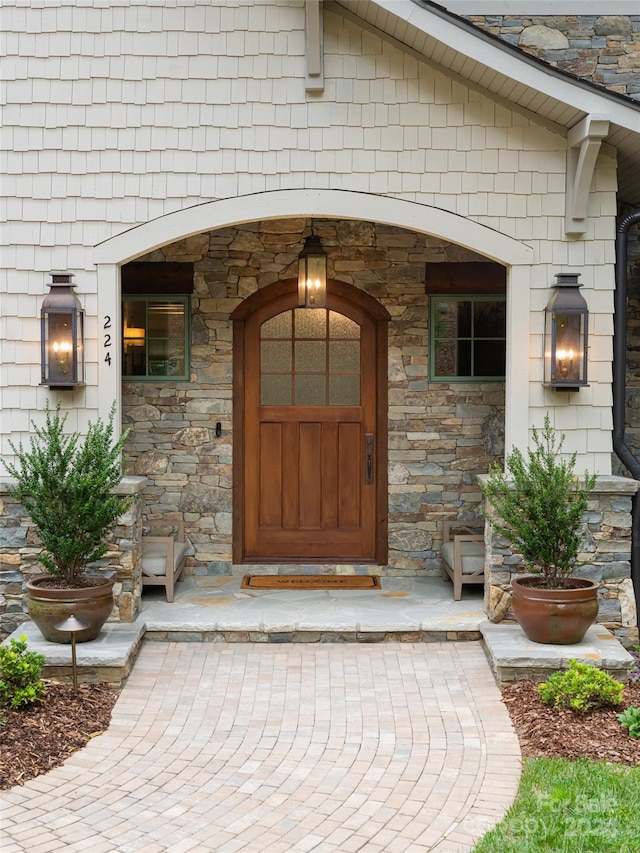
(49, 607)
(558, 616)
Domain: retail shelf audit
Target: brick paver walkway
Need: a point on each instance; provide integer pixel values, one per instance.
(393, 748)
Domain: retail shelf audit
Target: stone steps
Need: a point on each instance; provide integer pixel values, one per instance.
(406, 610)
(513, 657)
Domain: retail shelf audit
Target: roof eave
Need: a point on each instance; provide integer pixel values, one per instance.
(490, 52)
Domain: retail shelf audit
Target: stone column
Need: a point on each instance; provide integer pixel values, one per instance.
(19, 548)
(605, 557)
(125, 549)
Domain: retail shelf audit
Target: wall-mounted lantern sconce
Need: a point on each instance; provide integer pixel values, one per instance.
(566, 327)
(62, 335)
(312, 274)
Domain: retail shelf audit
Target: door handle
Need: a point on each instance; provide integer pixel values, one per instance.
(368, 458)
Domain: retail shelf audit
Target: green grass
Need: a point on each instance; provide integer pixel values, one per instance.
(570, 807)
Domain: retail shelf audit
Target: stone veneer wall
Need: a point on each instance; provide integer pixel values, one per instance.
(441, 436)
(602, 48)
(19, 548)
(606, 554)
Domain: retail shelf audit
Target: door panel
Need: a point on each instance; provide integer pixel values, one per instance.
(310, 396)
(310, 493)
(270, 503)
(310, 500)
(351, 484)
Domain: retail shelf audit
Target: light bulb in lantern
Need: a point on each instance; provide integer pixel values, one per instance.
(565, 361)
(61, 352)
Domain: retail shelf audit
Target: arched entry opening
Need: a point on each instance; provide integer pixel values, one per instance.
(190, 466)
(310, 427)
(514, 255)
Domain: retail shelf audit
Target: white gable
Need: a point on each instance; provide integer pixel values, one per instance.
(124, 122)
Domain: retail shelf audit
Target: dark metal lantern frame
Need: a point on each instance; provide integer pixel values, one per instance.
(312, 274)
(566, 334)
(62, 335)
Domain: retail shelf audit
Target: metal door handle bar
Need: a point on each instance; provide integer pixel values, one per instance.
(368, 455)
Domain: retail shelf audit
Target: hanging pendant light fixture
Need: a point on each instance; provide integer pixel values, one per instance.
(312, 274)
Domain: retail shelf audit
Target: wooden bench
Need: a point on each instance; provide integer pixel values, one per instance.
(463, 553)
(163, 560)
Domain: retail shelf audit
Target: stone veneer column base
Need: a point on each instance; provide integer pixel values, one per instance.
(513, 657)
(19, 549)
(605, 557)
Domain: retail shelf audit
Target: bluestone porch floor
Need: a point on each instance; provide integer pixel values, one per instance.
(210, 608)
(403, 605)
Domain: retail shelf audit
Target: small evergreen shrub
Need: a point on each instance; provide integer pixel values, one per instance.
(539, 505)
(581, 688)
(20, 671)
(630, 719)
(66, 483)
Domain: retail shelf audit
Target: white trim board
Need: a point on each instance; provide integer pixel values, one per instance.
(332, 204)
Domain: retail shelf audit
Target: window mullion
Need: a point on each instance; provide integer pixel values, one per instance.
(146, 337)
(170, 342)
(472, 346)
(449, 353)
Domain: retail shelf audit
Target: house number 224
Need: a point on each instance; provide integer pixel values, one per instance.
(107, 339)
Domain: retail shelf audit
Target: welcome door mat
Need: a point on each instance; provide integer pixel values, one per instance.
(310, 582)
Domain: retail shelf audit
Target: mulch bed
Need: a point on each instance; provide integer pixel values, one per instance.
(34, 740)
(554, 733)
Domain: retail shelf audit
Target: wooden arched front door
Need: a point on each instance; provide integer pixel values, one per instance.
(310, 439)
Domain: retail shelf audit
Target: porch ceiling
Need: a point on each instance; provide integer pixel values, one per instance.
(484, 62)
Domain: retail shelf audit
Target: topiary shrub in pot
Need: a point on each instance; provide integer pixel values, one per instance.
(539, 505)
(65, 483)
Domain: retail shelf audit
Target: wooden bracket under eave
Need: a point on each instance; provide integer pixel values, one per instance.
(583, 146)
(314, 77)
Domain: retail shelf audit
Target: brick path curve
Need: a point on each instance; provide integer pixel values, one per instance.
(263, 748)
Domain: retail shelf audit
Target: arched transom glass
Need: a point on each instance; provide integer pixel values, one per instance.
(310, 357)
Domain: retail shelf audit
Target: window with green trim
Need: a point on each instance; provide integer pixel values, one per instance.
(467, 338)
(155, 341)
